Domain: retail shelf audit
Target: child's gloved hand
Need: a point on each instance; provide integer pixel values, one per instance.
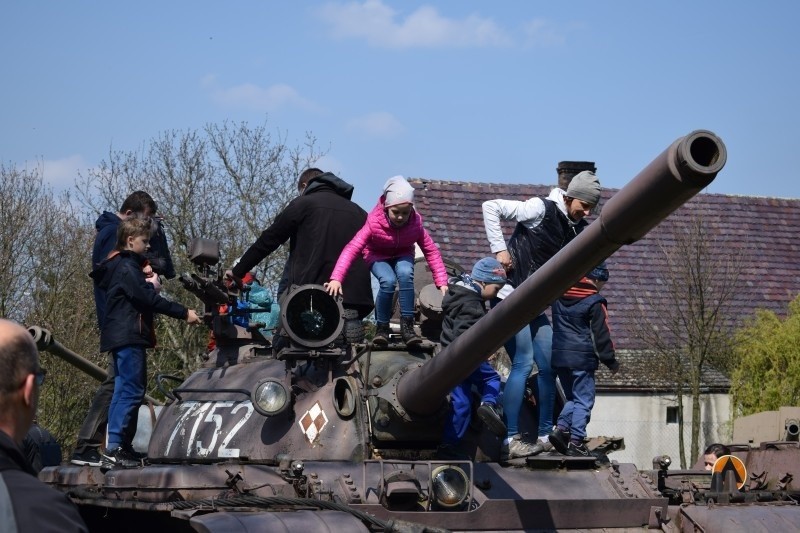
(614, 367)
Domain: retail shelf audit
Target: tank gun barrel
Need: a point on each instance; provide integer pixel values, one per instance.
(46, 343)
(686, 167)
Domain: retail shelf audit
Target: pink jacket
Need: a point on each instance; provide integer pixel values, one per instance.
(379, 240)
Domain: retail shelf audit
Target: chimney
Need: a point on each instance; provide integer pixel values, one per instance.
(567, 170)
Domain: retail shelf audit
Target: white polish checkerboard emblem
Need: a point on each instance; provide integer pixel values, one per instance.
(313, 422)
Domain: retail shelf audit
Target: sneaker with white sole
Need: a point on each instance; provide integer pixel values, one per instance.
(90, 456)
(120, 458)
(578, 450)
(516, 448)
(559, 439)
(542, 446)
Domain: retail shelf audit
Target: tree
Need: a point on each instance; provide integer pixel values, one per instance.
(224, 182)
(44, 282)
(767, 355)
(691, 319)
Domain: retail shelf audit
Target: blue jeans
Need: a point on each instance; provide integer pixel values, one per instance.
(580, 392)
(399, 270)
(531, 343)
(487, 380)
(130, 366)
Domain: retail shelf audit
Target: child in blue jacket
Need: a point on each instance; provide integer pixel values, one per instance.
(127, 331)
(463, 305)
(581, 340)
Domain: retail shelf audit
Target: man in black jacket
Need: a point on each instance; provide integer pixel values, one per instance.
(26, 504)
(318, 224)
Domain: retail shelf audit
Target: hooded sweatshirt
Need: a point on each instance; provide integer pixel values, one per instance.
(317, 224)
(462, 307)
(158, 255)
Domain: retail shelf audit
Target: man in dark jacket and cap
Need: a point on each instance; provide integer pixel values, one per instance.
(318, 224)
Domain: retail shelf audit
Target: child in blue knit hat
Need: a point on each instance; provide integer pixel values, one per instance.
(581, 340)
(462, 306)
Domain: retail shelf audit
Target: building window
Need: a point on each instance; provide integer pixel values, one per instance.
(673, 415)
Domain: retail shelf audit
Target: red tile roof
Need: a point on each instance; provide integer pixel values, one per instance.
(762, 231)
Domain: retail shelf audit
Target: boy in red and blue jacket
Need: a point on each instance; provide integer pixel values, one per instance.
(581, 340)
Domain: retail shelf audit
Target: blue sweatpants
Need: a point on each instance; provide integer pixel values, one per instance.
(488, 382)
(579, 390)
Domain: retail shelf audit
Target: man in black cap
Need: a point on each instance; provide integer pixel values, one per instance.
(544, 226)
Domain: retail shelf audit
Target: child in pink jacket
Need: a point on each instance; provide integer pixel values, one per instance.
(387, 244)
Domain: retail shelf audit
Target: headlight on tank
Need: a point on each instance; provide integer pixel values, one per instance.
(270, 397)
(450, 486)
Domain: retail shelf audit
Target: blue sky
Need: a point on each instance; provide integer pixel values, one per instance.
(453, 90)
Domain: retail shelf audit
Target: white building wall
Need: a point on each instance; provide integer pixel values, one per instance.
(641, 419)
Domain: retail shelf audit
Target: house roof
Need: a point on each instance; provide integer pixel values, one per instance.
(638, 374)
(763, 232)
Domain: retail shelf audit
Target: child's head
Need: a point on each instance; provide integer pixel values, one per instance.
(599, 275)
(398, 200)
(490, 275)
(138, 203)
(134, 234)
(714, 452)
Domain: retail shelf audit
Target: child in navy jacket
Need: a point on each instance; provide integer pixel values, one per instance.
(463, 305)
(128, 331)
(581, 340)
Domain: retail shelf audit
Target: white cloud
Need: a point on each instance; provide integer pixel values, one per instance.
(541, 32)
(251, 96)
(380, 25)
(61, 173)
(378, 124)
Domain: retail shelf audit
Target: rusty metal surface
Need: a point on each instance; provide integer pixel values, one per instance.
(680, 172)
(211, 425)
(301, 521)
(740, 518)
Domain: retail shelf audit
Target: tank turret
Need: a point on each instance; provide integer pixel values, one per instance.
(310, 426)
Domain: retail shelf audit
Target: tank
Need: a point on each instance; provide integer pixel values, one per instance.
(316, 428)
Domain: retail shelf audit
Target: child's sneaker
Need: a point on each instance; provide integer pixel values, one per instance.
(488, 414)
(559, 439)
(516, 448)
(578, 450)
(542, 446)
(90, 456)
(120, 458)
(137, 456)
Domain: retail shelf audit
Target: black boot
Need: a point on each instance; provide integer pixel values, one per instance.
(407, 331)
(382, 333)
